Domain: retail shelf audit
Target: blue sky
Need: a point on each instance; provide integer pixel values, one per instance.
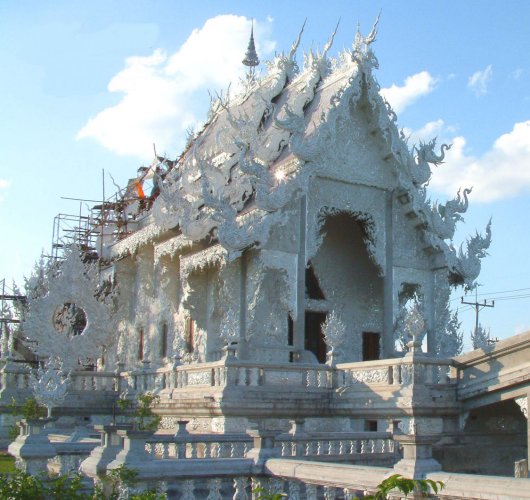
(89, 86)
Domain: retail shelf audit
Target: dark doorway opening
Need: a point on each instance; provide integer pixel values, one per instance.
(290, 336)
(314, 338)
(312, 287)
(371, 346)
(370, 425)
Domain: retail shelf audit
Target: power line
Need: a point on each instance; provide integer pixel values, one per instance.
(508, 297)
(514, 297)
(478, 306)
(496, 293)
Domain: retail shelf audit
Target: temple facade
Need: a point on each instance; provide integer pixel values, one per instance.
(289, 266)
(298, 209)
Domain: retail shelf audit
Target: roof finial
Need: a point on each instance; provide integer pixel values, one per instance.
(294, 48)
(251, 56)
(331, 38)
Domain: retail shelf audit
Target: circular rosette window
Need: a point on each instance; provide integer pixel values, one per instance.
(70, 319)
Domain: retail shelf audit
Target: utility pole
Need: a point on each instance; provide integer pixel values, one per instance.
(478, 306)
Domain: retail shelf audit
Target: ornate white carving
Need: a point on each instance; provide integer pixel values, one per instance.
(50, 385)
(409, 324)
(334, 331)
(200, 378)
(75, 283)
(424, 155)
(130, 244)
(375, 376)
(442, 219)
(467, 265)
(168, 423)
(287, 263)
(211, 256)
(228, 294)
(172, 247)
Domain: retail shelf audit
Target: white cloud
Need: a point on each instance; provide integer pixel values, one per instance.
(436, 128)
(502, 172)
(415, 86)
(516, 74)
(164, 94)
(478, 81)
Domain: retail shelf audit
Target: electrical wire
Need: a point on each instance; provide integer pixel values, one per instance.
(495, 293)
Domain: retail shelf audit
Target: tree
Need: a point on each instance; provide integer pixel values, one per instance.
(480, 337)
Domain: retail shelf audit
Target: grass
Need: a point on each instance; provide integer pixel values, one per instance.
(7, 463)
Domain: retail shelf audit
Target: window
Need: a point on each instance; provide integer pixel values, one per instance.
(190, 335)
(290, 336)
(370, 425)
(163, 340)
(141, 344)
(314, 338)
(290, 330)
(371, 349)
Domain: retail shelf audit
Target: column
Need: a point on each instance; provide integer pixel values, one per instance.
(299, 321)
(388, 281)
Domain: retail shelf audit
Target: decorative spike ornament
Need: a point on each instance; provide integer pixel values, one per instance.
(251, 56)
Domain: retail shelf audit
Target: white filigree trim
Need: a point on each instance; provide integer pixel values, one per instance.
(172, 247)
(198, 261)
(130, 244)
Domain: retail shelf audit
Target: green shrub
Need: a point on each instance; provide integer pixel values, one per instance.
(395, 482)
(267, 495)
(30, 410)
(7, 463)
(405, 486)
(142, 411)
(23, 486)
(125, 476)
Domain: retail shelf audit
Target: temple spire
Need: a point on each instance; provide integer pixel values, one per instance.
(251, 56)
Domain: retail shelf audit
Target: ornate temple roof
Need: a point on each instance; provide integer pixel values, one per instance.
(259, 148)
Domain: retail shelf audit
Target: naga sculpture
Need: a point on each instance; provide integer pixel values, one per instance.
(467, 265)
(270, 193)
(231, 236)
(304, 148)
(420, 169)
(442, 219)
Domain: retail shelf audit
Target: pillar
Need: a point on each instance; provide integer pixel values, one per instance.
(388, 281)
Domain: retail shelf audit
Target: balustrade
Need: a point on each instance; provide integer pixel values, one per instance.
(94, 381)
(334, 444)
(191, 446)
(396, 372)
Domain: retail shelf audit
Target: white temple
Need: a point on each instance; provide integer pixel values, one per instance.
(290, 267)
